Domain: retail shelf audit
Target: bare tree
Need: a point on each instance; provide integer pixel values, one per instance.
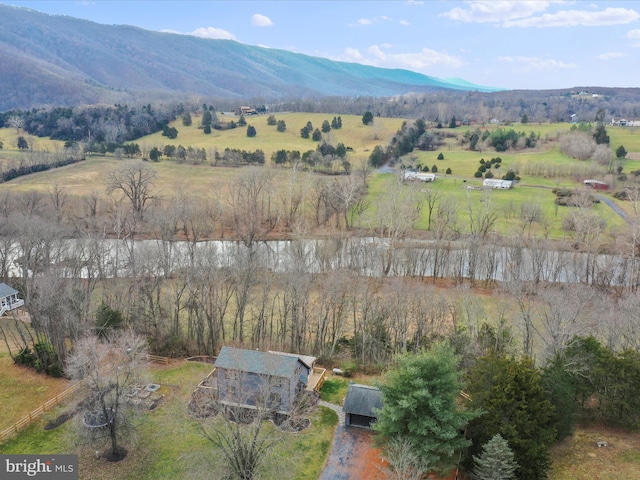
(17, 122)
(135, 182)
(111, 369)
(402, 463)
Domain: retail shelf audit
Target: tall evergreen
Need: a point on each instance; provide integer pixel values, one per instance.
(420, 397)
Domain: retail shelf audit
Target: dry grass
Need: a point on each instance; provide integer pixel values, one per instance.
(579, 458)
(23, 390)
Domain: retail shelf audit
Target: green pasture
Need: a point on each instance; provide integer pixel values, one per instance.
(508, 204)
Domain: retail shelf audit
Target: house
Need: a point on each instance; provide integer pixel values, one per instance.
(497, 183)
(313, 377)
(252, 379)
(244, 110)
(9, 299)
(596, 184)
(361, 404)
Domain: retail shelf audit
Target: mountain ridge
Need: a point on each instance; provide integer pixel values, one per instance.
(62, 60)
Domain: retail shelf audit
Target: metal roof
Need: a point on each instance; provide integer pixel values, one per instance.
(6, 290)
(362, 399)
(308, 360)
(255, 361)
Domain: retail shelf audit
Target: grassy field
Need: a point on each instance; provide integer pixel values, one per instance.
(354, 134)
(167, 443)
(579, 458)
(21, 389)
(533, 190)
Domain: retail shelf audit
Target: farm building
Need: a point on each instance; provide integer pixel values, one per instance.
(8, 299)
(251, 378)
(360, 405)
(596, 184)
(421, 176)
(497, 183)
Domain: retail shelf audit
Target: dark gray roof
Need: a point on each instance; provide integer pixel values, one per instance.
(254, 361)
(362, 399)
(6, 290)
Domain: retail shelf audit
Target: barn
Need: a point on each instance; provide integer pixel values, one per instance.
(360, 405)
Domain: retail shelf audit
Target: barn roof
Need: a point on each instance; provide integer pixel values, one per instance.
(254, 361)
(6, 290)
(362, 399)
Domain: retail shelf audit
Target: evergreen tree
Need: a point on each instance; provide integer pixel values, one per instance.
(186, 119)
(515, 405)
(207, 118)
(242, 121)
(251, 131)
(453, 123)
(601, 136)
(207, 129)
(496, 461)
(440, 156)
(377, 157)
(22, 143)
(621, 152)
(367, 118)
(420, 405)
(281, 126)
(304, 132)
(155, 154)
(317, 135)
(326, 128)
(271, 120)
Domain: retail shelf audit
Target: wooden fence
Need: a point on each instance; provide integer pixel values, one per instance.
(32, 416)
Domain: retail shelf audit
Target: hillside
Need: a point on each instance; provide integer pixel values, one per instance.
(60, 60)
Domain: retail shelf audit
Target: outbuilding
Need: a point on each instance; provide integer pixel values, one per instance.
(497, 183)
(9, 299)
(361, 404)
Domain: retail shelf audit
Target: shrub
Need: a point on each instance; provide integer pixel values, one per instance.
(349, 369)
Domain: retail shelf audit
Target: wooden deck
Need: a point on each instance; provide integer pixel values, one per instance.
(316, 379)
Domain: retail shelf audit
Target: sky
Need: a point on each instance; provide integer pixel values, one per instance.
(507, 44)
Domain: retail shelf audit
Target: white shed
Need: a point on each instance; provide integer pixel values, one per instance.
(497, 183)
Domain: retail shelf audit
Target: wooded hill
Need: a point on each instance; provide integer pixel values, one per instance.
(60, 60)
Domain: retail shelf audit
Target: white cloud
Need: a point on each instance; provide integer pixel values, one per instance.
(351, 55)
(212, 32)
(526, 64)
(376, 56)
(260, 20)
(495, 11)
(634, 34)
(574, 18)
(610, 55)
(370, 21)
(404, 23)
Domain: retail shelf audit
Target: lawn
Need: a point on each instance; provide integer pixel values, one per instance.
(23, 390)
(167, 443)
(579, 458)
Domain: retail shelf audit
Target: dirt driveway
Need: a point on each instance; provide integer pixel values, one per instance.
(353, 456)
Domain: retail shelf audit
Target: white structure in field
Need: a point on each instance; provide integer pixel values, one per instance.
(421, 176)
(497, 183)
